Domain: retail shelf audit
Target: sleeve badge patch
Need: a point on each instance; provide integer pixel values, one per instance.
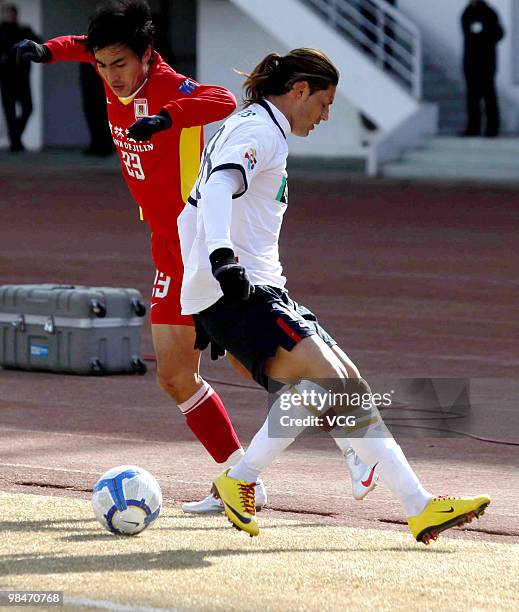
(250, 158)
(188, 86)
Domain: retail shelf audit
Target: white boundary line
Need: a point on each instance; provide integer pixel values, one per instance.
(67, 434)
(112, 605)
(45, 467)
(96, 474)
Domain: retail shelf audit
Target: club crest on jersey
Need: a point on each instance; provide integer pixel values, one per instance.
(188, 86)
(140, 106)
(250, 158)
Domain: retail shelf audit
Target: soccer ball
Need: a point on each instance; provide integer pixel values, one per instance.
(126, 499)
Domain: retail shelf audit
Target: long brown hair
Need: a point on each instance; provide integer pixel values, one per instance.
(276, 74)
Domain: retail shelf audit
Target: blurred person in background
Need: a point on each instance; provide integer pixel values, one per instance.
(14, 82)
(482, 31)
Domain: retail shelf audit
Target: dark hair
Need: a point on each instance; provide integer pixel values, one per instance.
(276, 74)
(126, 22)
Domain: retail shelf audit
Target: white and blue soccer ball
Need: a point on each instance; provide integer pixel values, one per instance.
(126, 499)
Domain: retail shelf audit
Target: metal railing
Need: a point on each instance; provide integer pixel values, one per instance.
(382, 33)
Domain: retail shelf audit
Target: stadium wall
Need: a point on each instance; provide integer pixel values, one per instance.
(228, 39)
(63, 120)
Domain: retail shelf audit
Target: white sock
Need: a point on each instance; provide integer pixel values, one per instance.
(267, 443)
(197, 398)
(378, 447)
(394, 471)
(260, 454)
(232, 459)
(375, 446)
(382, 451)
(344, 444)
(263, 448)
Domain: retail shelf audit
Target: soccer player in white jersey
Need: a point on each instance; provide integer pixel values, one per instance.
(234, 286)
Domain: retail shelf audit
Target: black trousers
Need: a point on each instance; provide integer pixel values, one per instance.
(16, 92)
(481, 87)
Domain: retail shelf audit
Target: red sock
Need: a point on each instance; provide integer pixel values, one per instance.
(207, 418)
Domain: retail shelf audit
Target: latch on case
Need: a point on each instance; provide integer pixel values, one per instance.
(49, 326)
(19, 323)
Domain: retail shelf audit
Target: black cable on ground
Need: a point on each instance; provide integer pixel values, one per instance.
(453, 415)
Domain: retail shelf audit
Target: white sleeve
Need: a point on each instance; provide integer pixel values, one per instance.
(247, 148)
(186, 223)
(246, 151)
(216, 207)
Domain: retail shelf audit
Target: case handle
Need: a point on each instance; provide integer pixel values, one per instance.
(49, 326)
(138, 307)
(98, 308)
(19, 323)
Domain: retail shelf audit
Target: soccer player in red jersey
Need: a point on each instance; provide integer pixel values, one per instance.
(156, 117)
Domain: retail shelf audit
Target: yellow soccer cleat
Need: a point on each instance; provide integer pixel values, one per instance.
(441, 513)
(239, 502)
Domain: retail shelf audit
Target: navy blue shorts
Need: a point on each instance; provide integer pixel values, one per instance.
(252, 331)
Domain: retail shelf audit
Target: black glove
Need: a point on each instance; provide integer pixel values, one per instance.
(30, 51)
(216, 351)
(203, 340)
(143, 129)
(232, 277)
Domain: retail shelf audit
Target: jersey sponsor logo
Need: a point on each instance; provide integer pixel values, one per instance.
(118, 132)
(140, 106)
(250, 158)
(246, 113)
(188, 86)
(123, 141)
(282, 195)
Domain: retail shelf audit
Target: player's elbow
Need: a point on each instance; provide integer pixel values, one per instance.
(229, 100)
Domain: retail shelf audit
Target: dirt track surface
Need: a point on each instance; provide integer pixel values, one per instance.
(413, 281)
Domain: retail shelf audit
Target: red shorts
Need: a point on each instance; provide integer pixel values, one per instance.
(165, 297)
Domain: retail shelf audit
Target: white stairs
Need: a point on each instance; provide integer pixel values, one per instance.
(461, 159)
(332, 26)
(448, 95)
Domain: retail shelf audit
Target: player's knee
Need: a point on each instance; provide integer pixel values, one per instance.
(352, 370)
(357, 386)
(178, 385)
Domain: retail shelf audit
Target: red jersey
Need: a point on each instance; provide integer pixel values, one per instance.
(161, 172)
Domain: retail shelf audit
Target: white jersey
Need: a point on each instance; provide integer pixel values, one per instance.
(252, 142)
